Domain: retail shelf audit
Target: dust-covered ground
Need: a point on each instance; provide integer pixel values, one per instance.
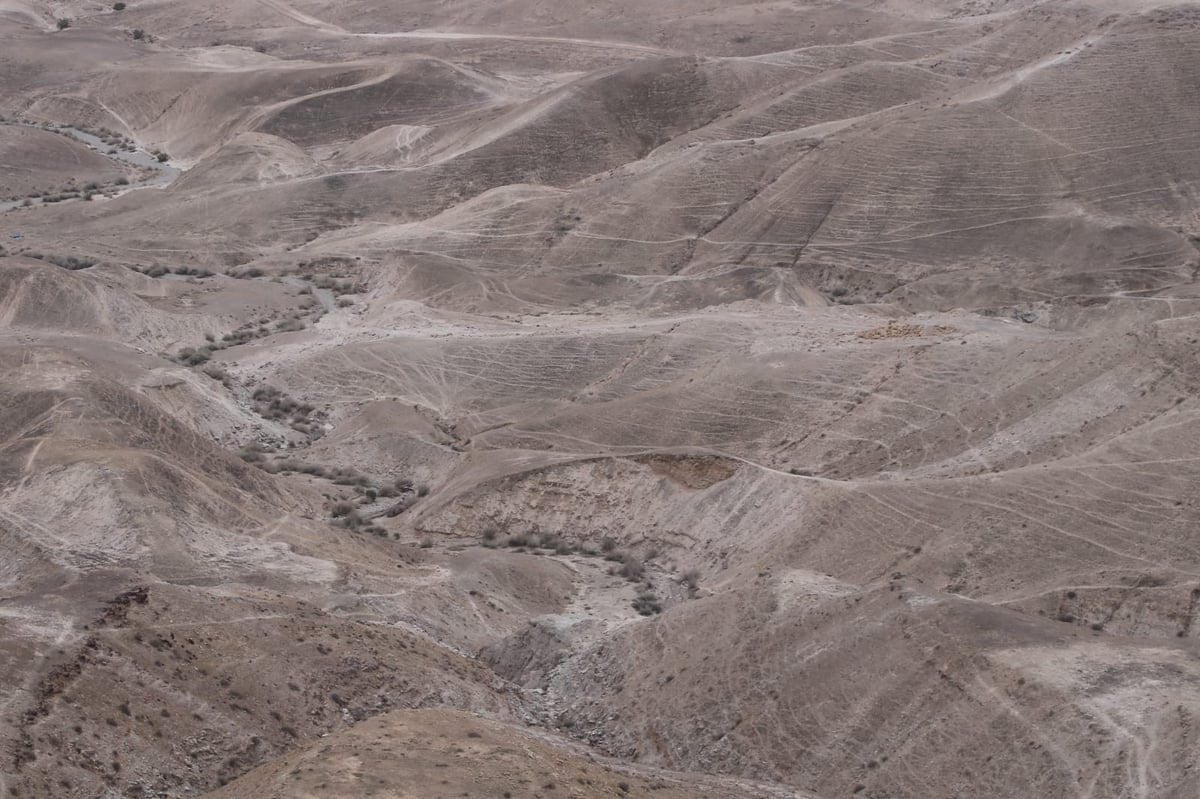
(650, 399)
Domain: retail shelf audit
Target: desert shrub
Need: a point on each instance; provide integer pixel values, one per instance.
(341, 508)
(63, 23)
(72, 262)
(632, 568)
(118, 6)
(189, 356)
(217, 373)
(692, 580)
(139, 34)
(518, 540)
(251, 454)
(162, 157)
(399, 507)
(647, 604)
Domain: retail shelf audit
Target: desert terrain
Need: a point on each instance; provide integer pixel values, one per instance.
(671, 398)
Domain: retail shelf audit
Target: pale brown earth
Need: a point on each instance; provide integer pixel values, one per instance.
(650, 399)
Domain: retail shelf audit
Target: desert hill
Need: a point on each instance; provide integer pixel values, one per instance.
(600, 399)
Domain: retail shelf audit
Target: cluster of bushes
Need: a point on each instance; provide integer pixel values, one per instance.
(257, 454)
(219, 374)
(547, 541)
(84, 192)
(336, 286)
(325, 262)
(344, 511)
(190, 356)
(408, 492)
(626, 564)
(647, 604)
(271, 403)
(71, 192)
(158, 270)
(629, 565)
(70, 262)
(567, 221)
(196, 356)
(112, 138)
(337, 279)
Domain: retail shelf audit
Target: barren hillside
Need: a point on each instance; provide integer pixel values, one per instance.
(610, 399)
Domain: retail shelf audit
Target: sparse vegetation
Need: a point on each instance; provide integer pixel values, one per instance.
(647, 604)
(219, 374)
(632, 568)
(70, 262)
(190, 356)
(63, 23)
